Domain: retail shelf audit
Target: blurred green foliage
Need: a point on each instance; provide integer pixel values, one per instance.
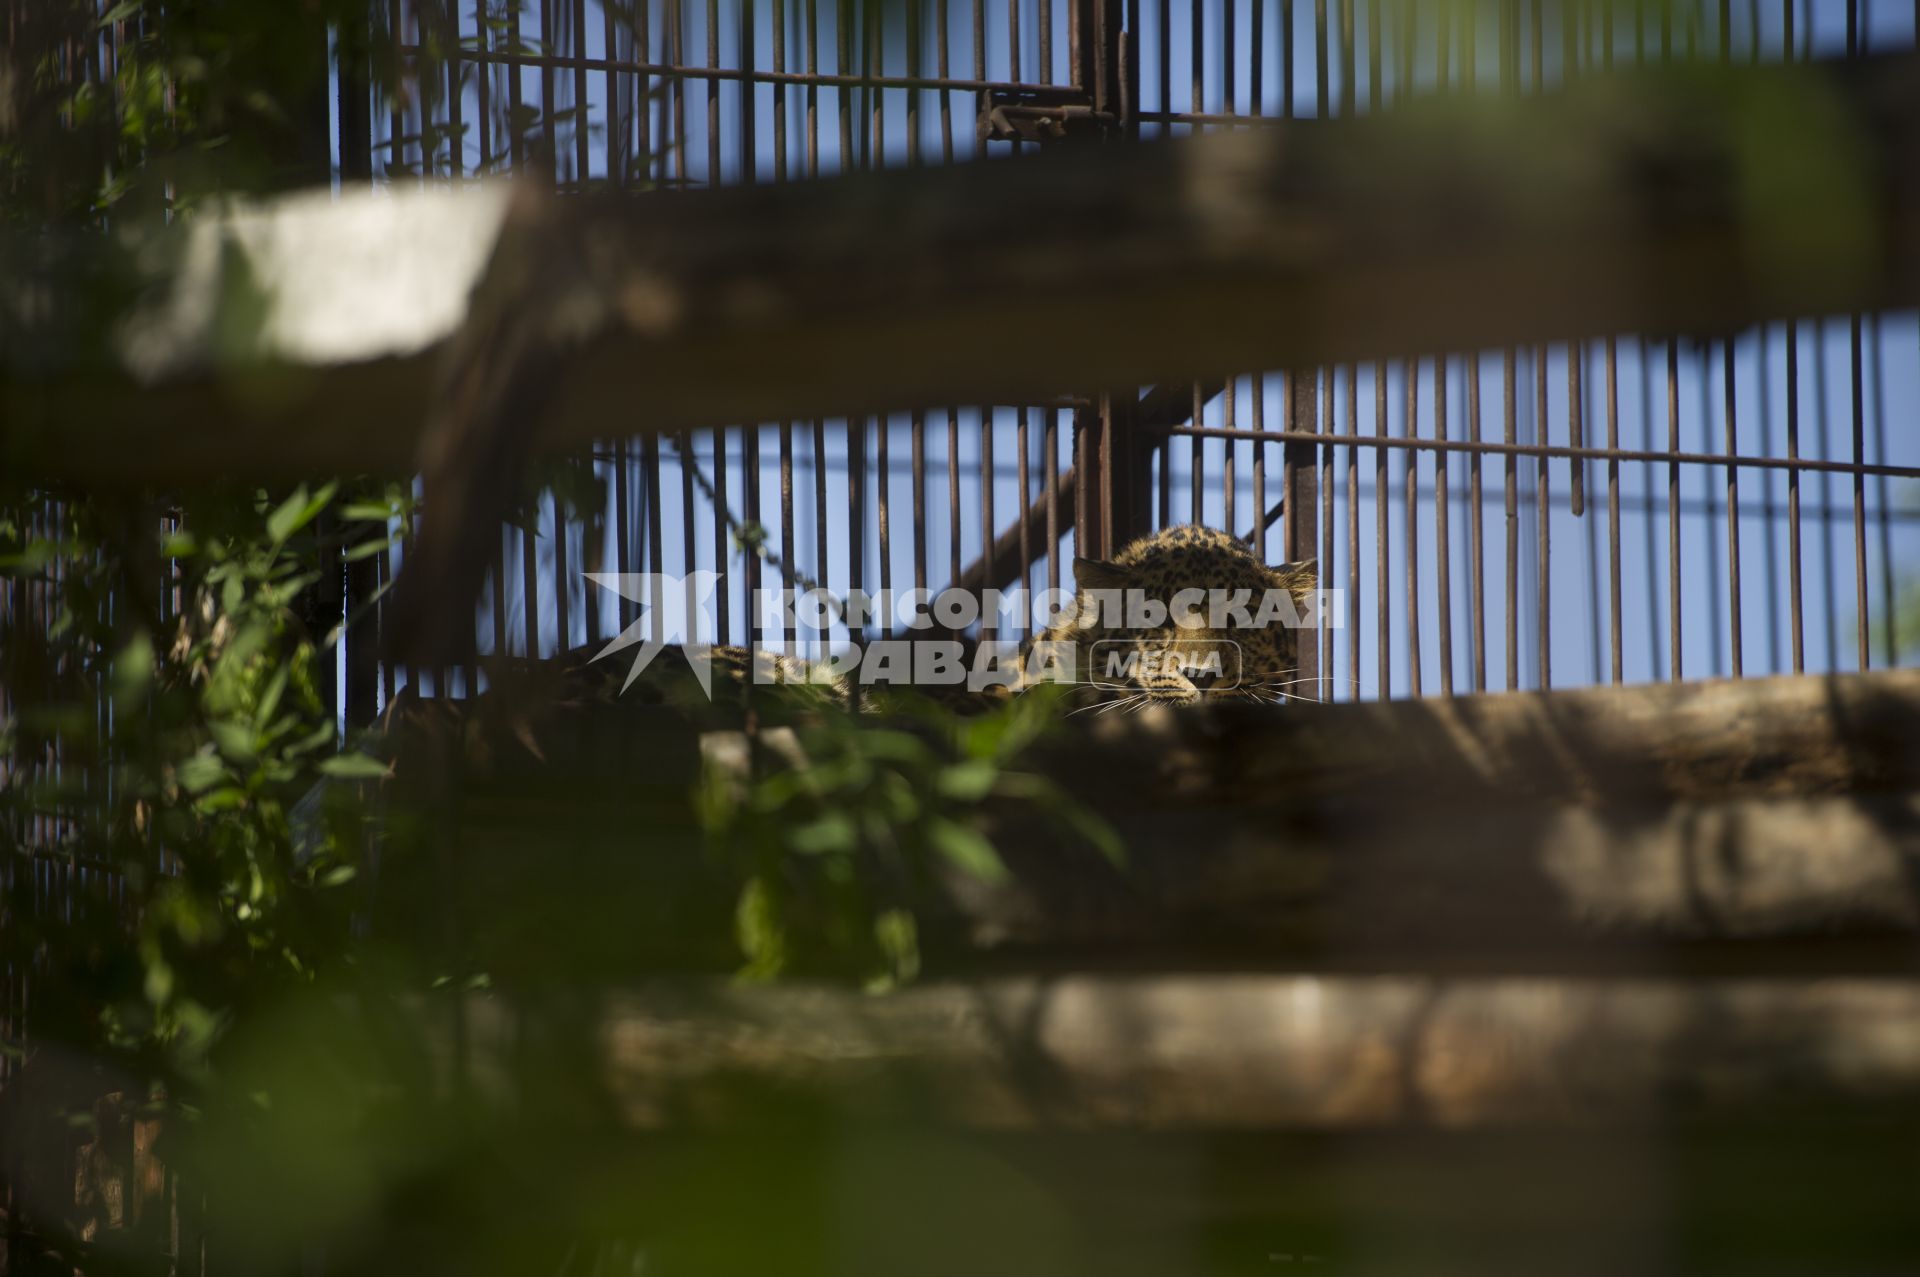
(208, 929)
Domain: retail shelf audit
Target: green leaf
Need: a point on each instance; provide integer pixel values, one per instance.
(133, 671)
(200, 772)
(352, 766)
(338, 875)
(891, 746)
(898, 940)
(832, 832)
(967, 849)
(758, 931)
(297, 511)
(366, 550)
(270, 695)
(235, 739)
(229, 798)
(968, 782)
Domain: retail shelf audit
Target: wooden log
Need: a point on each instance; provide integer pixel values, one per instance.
(1692, 825)
(1250, 1052)
(300, 339)
(1721, 738)
(1769, 825)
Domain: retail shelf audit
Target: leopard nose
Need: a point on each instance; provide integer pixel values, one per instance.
(1206, 680)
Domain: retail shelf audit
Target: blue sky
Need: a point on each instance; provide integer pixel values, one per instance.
(1577, 577)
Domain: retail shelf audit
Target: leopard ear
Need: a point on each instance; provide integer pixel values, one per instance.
(1299, 579)
(1096, 574)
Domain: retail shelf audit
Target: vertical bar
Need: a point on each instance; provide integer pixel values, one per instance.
(872, 58)
(1256, 62)
(581, 134)
(987, 626)
(1196, 461)
(1733, 505)
(677, 43)
(1795, 600)
(1286, 59)
(1862, 623)
(953, 493)
(1322, 93)
(1890, 619)
(914, 42)
(813, 106)
(689, 546)
(1383, 608)
(1051, 443)
(1373, 93)
(1544, 623)
(1327, 663)
(843, 94)
(562, 584)
(1443, 555)
(1166, 106)
(1259, 406)
(1166, 482)
(1227, 68)
(1302, 501)
(1353, 528)
(1476, 529)
(1673, 508)
(1104, 507)
(713, 134)
(1046, 59)
(529, 592)
(743, 35)
(1613, 485)
(1082, 498)
(1022, 449)
(788, 552)
(856, 514)
(920, 498)
(1228, 446)
(823, 557)
(1510, 389)
(883, 472)
(722, 549)
(1347, 58)
(1412, 529)
(750, 463)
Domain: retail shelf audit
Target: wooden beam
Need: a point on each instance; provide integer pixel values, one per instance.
(1694, 199)
(1761, 826)
(1266, 1052)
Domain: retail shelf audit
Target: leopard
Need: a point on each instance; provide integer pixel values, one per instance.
(1257, 661)
(533, 699)
(1184, 655)
(1260, 661)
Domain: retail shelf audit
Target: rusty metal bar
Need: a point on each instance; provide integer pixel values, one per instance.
(1303, 504)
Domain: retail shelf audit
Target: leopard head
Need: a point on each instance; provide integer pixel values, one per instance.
(1185, 615)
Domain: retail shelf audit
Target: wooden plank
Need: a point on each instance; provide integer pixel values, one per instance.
(284, 341)
(1267, 1052)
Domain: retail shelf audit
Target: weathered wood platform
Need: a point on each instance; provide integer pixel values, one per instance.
(1656, 904)
(303, 337)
